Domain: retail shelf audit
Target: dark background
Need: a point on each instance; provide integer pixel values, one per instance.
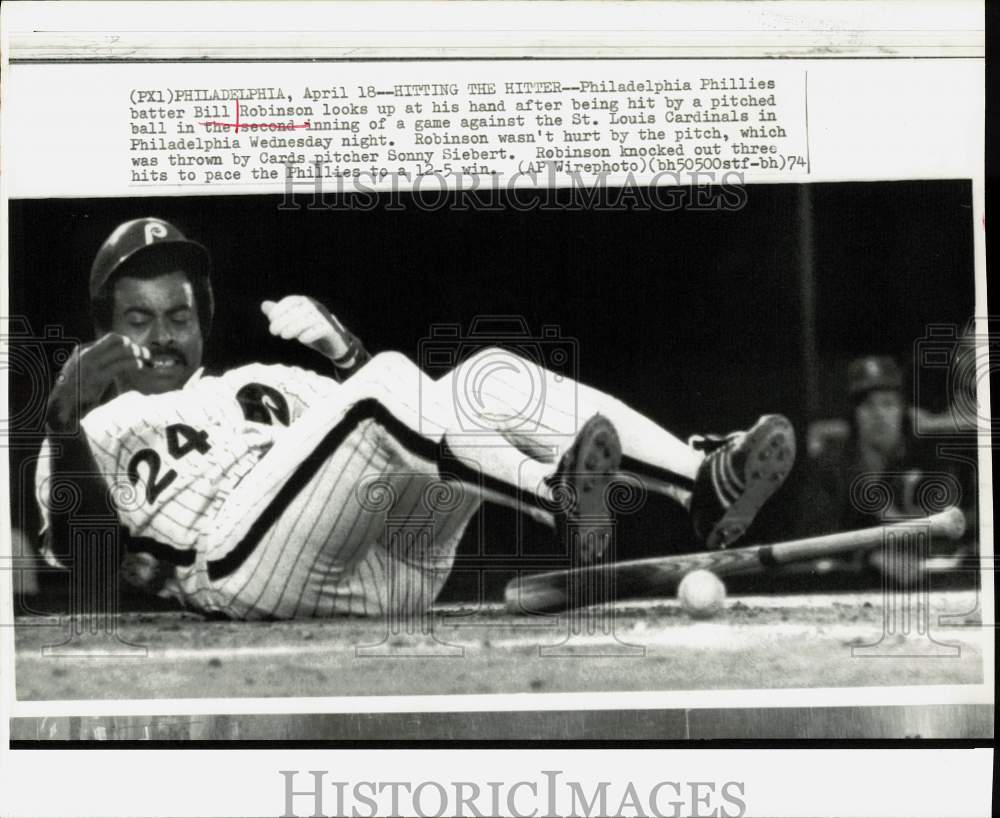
(694, 317)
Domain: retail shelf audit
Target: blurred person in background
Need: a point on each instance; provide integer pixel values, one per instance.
(874, 470)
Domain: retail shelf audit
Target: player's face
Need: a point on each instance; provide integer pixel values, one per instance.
(160, 314)
(880, 420)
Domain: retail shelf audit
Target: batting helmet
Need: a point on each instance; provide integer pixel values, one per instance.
(144, 248)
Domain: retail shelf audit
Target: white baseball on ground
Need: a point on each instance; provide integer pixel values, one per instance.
(701, 594)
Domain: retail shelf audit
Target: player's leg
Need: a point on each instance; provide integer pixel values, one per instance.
(722, 481)
(570, 484)
(482, 443)
(496, 403)
(418, 414)
(541, 413)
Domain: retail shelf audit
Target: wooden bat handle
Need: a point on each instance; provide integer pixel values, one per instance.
(949, 523)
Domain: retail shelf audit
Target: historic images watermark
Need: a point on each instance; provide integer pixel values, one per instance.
(545, 188)
(316, 793)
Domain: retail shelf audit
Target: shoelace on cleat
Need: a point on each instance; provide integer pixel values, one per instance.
(710, 443)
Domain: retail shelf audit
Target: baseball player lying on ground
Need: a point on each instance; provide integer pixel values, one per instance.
(271, 491)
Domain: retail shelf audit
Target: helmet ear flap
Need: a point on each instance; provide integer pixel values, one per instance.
(205, 301)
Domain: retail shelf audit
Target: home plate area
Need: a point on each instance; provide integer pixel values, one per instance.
(754, 642)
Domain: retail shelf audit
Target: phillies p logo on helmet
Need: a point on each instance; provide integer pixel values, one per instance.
(155, 230)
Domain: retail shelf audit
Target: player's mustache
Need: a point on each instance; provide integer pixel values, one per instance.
(159, 349)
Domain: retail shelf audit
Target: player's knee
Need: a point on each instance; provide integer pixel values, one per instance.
(499, 384)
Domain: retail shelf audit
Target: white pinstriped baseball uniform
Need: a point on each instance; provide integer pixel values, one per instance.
(276, 492)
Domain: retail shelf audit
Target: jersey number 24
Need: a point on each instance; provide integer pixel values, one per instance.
(181, 440)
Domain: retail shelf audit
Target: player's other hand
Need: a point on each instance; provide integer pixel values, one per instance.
(87, 373)
(305, 320)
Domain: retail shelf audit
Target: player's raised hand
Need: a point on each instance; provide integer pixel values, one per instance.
(301, 318)
(87, 373)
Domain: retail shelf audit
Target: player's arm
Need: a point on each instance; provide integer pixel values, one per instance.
(306, 320)
(81, 384)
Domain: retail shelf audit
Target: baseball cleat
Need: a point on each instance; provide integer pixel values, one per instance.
(740, 473)
(579, 487)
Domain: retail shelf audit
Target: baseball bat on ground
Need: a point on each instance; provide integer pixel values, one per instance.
(559, 590)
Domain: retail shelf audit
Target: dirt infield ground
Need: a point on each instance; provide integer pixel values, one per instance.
(829, 640)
